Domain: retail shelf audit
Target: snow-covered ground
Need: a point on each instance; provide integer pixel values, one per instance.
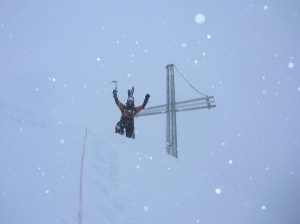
(130, 181)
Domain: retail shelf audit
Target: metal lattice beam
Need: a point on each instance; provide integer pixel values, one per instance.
(194, 104)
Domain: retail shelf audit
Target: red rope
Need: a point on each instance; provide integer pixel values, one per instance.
(81, 177)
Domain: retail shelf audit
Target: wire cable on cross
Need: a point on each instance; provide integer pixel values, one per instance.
(189, 82)
(171, 107)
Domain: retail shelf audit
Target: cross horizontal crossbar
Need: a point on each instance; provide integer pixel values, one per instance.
(186, 105)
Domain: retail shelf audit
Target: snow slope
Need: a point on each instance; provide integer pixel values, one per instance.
(124, 180)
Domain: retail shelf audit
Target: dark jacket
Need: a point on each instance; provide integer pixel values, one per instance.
(127, 111)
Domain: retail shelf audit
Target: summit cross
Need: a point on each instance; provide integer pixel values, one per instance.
(171, 107)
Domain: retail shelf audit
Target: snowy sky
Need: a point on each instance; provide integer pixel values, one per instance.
(238, 162)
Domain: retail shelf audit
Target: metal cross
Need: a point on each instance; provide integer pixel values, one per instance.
(171, 107)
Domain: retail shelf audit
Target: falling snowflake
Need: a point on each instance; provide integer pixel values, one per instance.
(200, 18)
(146, 208)
(266, 7)
(291, 65)
(184, 45)
(218, 191)
(267, 168)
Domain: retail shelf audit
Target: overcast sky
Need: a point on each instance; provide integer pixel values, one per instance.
(58, 59)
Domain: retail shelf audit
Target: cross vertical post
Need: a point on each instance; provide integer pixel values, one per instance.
(171, 129)
(171, 107)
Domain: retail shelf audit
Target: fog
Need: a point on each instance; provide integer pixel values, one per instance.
(237, 163)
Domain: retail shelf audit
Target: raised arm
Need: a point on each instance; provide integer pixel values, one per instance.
(120, 105)
(139, 108)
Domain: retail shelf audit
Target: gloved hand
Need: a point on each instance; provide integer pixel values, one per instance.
(115, 93)
(147, 96)
(146, 100)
